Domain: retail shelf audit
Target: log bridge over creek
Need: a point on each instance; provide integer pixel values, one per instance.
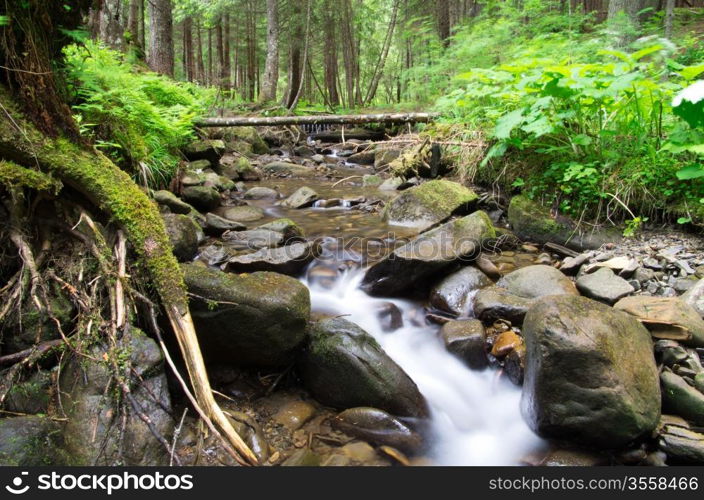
(276, 121)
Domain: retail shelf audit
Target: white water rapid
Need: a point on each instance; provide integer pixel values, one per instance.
(475, 415)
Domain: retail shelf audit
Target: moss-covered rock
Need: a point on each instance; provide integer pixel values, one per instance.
(680, 398)
(290, 229)
(532, 221)
(208, 149)
(286, 169)
(184, 235)
(428, 255)
(344, 367)
(428, 204)
(93, 434)
(30, 396)
(203, 198)
(174, 204)
(301, 198)
(590, 373)
(245, 134)
(30, 441)
(254, 319)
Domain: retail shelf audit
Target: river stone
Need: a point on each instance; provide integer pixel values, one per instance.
(494, 303)
(31, 440)
(291, 259)
(301, 198)
(532, 282)
(176, 205)
(286, 169)
(261, 193)
(379, 428)
(362, 158)
(391, 184)
(344, 367)
(466, 339)
(243, 213)
(590, 373)
(93, 434)
(383, 157)
(682, 445)
(203, 198)
(184, 235)
(248, 135)
(294, 414)
(31, 396)
(253, 239)
(428, 204)
(695, 297)
(244, 170)
(255, 319)
(209, 149)
(533, 222)
(427, 255)
(505, 343)
(680, 398)
(287, 227)
(604, 286)
(216, 225)
(654, 311)
(452, 294)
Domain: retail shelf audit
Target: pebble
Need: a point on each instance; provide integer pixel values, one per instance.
(294, 415)
(505, 343)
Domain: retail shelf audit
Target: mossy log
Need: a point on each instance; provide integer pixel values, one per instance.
(113, 191)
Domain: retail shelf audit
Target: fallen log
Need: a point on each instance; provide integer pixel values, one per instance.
(274, 121)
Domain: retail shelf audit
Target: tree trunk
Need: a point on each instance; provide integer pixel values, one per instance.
(161, 39)
(111, 28)
(133, 26)
(188, 62)
(443, 13)
(271, 67)
(330, 57)
(226, 66)
(200, 65)
(669, 17)
(220, 46)
(379, 70)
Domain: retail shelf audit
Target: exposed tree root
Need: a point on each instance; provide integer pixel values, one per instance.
(110, 189)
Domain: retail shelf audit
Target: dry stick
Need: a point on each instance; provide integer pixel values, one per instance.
(11, 359)
(346, 179)
(177, 432)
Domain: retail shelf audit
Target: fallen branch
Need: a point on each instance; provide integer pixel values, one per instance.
(274, 121)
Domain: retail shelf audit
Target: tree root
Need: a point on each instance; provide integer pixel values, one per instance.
(104, 184)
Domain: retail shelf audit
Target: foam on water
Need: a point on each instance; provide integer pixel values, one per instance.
(475, 415)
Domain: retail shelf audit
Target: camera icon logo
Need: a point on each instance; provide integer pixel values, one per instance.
(16, 487)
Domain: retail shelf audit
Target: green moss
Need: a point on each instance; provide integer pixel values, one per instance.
(13, 175)
(110, 188)
(534, 215)
(444, 195)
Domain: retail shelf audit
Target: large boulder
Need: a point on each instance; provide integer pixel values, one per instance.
(666, 317)
(95, 433)
(428, 254)
(466, 339)
(495, 303)
(248, 135)
(590, 373)
(208, 149)
(534, 222)
(344, 367)
(428, 204)
(184, 235)
(291, 259)
(216, 225)
(255, 320)
(452, 293)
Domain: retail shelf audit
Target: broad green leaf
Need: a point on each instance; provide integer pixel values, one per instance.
(691, 72)
(691, 172)
(582, 140)
(645, 52)
(507, 123)
(539, 127)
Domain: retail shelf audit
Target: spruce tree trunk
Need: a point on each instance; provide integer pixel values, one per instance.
(271, 67)
(161, 38)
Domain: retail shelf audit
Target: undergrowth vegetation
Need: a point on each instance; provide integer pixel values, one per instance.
(138, 118)
(577, 115)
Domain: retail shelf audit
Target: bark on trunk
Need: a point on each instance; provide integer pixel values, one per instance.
(161, 41)
(271, 67)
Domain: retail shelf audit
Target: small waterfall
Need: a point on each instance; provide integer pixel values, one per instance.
(475, 415)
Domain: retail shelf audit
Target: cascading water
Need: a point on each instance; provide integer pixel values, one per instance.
(475, 415)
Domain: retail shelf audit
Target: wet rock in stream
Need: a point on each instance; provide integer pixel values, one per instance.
(256, 319)
(290, 259)
(452, 293)
(427, 255)
(466, 339)
(378, 427)
(590, 373)
(344, 367)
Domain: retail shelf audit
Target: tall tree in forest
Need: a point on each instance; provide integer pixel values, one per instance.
(330, 56)
(379, 69)
(442, 8)
(161, 38)
(188, 59)
(133, 25)
(669, 17)
(271, 67)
